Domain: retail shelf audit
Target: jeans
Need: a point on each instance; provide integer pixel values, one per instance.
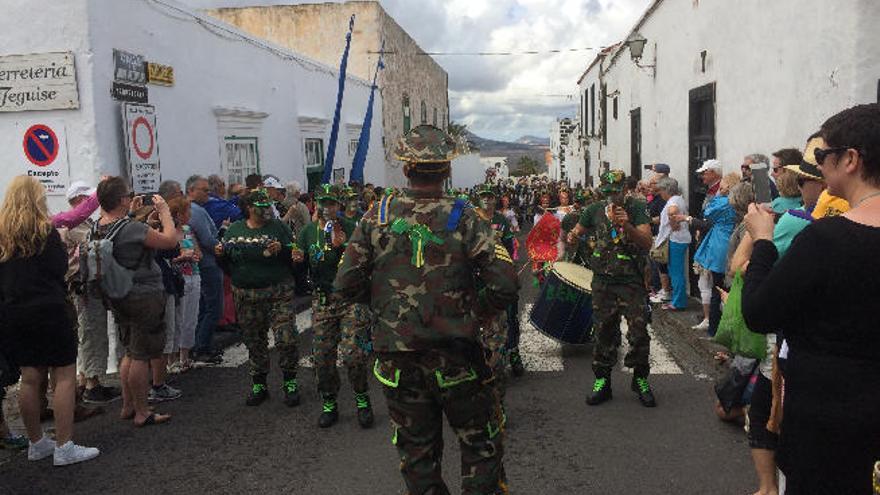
(678, 274)
(210, 308)
(715, 303)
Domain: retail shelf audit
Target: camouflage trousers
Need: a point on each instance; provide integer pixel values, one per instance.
(420, 387)
(610, 302)
(494, 336)
(258, 311)
(340, 329)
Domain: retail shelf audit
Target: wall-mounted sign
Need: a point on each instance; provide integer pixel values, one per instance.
(142, 147)
(129, 92)
(43, 154)
(162, 75)
(41, 81)
(128, 67)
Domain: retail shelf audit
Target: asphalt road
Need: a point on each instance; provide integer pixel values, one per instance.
(555, 443)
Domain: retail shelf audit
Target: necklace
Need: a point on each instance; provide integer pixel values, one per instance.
(873, 195)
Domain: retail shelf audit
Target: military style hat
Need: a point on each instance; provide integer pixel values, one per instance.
(258, 198)
(486, 190)
(426, 144)
(327, 192)
(612, 182)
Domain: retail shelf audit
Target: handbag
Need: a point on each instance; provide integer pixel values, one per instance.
(733, 332)
(732, 389)
(660, 254)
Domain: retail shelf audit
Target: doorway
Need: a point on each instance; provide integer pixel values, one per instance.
(701, 142)
(635, 143)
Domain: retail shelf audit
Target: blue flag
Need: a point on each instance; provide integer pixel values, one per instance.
(334, 131)
(360, 156)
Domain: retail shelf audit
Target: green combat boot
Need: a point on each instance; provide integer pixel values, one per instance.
(641, 387)
(601, 391)
(291, 393)
(516, 363)
(364, 410)
(330, 414)
(258, 395)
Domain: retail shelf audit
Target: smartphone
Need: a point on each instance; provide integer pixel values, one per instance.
(147, 199)
(649, 167)
(761, 182)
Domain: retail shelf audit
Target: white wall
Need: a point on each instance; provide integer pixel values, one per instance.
(210, 72)
(468, 171)
(779, 70)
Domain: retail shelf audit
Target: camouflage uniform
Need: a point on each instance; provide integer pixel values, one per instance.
(258, 310)
(414, 265)
(618, 289)
(263, 290)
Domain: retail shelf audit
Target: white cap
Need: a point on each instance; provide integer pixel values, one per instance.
(79, 188)
(711, 165)
(272, 182)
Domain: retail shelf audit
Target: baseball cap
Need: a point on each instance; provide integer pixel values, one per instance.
(661, 168)
(272, 182)
(79, 188)
(710, 165)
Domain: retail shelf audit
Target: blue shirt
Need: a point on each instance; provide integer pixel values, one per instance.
(712, 253)
(220, 209)
(206, 232)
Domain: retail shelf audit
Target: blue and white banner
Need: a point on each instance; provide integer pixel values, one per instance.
(360, 156)
(334, 132)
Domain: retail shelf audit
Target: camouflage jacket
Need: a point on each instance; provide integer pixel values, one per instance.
(425, 307)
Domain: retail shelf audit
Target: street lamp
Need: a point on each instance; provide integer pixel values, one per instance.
(636, 43)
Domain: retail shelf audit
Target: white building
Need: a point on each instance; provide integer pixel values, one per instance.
(560, 132)
(467, 171)
(238, 105)
(722, 79)
(496, 166)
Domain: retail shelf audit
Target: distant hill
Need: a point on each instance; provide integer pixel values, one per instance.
(513, 151)
(534, 141)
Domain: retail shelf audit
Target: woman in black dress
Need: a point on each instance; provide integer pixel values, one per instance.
(36, 332)
(823, 296)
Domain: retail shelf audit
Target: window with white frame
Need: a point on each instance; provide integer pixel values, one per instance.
(314, 153)
(352, 147)
(241, 158)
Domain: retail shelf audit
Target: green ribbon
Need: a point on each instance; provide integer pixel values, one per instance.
(419, 235)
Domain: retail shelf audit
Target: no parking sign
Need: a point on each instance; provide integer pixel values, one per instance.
(142, 147)
(43, 154)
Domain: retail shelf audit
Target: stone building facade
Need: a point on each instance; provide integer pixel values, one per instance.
(414, 86)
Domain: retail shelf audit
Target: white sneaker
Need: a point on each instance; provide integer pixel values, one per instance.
(71, 453)
(703, 325)
(661, 297)
(41, 450)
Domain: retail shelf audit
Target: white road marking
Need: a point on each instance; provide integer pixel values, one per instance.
(237, 355)
(661, 361)
(539, 352)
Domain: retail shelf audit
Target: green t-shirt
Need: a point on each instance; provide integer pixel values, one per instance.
(322, 258)
(244, 249)
(614, 258)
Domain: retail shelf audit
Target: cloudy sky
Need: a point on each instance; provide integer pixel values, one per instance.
(508, 96)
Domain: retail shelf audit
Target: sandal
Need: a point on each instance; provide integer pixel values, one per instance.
(154, 419)
(669, 307)
(131, 415)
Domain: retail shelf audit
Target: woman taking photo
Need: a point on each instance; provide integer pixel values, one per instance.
(37, 333)
(823, 296)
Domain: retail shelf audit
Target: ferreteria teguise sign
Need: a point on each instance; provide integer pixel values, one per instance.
(40, 81)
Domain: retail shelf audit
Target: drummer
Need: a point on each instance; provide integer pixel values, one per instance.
(618, 234)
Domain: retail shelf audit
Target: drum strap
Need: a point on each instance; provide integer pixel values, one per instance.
(455, 216)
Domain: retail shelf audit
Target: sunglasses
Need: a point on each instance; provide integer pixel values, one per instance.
(802, 181)
(821, 154)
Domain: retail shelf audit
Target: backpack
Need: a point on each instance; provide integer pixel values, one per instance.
(99, 268)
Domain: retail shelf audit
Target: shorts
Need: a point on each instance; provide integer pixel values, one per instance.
(140, 319)
(759, 414)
